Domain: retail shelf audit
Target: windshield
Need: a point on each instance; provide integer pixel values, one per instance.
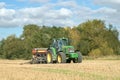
(65, 42)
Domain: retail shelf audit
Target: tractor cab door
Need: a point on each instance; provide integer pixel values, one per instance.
(60, 44)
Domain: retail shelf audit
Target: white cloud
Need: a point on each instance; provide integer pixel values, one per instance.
(113, 13)
(6, 13)
(7, 18)
(68, 13)
(109, 2)
(2, 4)
(40, 16)
(40, 1)
(106, 10)
(68, 3)
(9, 23)
(63, 12)
(43, 15)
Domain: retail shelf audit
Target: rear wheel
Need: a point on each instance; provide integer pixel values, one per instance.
(49, 57)
(61, 57)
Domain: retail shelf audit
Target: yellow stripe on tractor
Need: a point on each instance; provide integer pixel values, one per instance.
(42, 51)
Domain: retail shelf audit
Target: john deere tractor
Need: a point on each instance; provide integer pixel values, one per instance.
(60, 51)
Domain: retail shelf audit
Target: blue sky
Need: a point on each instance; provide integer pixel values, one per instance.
(14, 14)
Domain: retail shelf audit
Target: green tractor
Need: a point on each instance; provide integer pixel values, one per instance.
(58, 52)
(61, 52)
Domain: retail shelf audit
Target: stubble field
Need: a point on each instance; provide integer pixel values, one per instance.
(87, 70)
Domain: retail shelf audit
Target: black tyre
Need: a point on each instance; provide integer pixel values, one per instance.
(68, 61)
(61, 57)
(49, 57)
(79, 59)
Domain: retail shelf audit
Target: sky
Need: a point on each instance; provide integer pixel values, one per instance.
(14, 14)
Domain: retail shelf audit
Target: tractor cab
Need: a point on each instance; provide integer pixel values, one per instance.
(60, 43)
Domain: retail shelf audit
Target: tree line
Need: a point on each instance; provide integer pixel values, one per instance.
(92, 38)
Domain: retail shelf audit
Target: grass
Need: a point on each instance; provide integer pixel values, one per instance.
(88, 70)
(112, 57)
(109, 57)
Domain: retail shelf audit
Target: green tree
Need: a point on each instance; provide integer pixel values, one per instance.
(29, 38)
(12, 48)
(95, 36)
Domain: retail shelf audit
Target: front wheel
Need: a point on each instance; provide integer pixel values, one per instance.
(79, 59)
(61, 57)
